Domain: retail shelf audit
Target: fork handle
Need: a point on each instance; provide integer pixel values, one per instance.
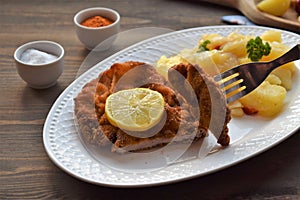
(291, 55)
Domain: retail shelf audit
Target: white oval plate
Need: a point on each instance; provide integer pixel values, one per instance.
(249, 135)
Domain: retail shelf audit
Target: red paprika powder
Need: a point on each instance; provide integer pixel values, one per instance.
(96, 21)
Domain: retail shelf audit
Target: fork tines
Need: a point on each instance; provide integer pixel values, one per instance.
(231, 84)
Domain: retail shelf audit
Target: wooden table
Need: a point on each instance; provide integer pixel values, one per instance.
(26, 172)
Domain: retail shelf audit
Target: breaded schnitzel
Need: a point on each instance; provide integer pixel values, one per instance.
(188, 108)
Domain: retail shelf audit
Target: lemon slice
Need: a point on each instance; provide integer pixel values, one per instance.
(274, 7)
(137, 109)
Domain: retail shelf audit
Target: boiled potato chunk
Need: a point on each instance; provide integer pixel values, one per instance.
(237, 112)
(216, 40)
(224, 60)
(273, 79)
(271, 36)
(203, 59)
(236, 109)
(267, 99)
(237, 47)
(285, 76)
(274, 7)
(164, 63)
(290, 66)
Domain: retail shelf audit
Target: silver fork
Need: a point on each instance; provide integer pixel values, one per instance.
(241, 80)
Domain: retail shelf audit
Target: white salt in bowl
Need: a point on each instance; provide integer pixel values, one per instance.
(100, 38)
(35, 63)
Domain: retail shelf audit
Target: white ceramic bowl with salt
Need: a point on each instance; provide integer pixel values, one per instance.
(40, 63)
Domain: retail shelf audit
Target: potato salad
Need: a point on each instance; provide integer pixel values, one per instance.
(216, 53)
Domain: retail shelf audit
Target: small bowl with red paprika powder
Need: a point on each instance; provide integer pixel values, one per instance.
(97, 27)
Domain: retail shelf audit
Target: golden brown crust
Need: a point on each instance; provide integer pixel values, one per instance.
(214, 112)
(86, 117)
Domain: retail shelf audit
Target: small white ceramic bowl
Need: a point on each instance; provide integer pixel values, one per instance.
(40, 76)
(105, 35)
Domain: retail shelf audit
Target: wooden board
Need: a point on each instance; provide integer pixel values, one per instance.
(288, 21)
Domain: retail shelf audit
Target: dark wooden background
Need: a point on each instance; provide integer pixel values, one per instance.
(26, 171)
